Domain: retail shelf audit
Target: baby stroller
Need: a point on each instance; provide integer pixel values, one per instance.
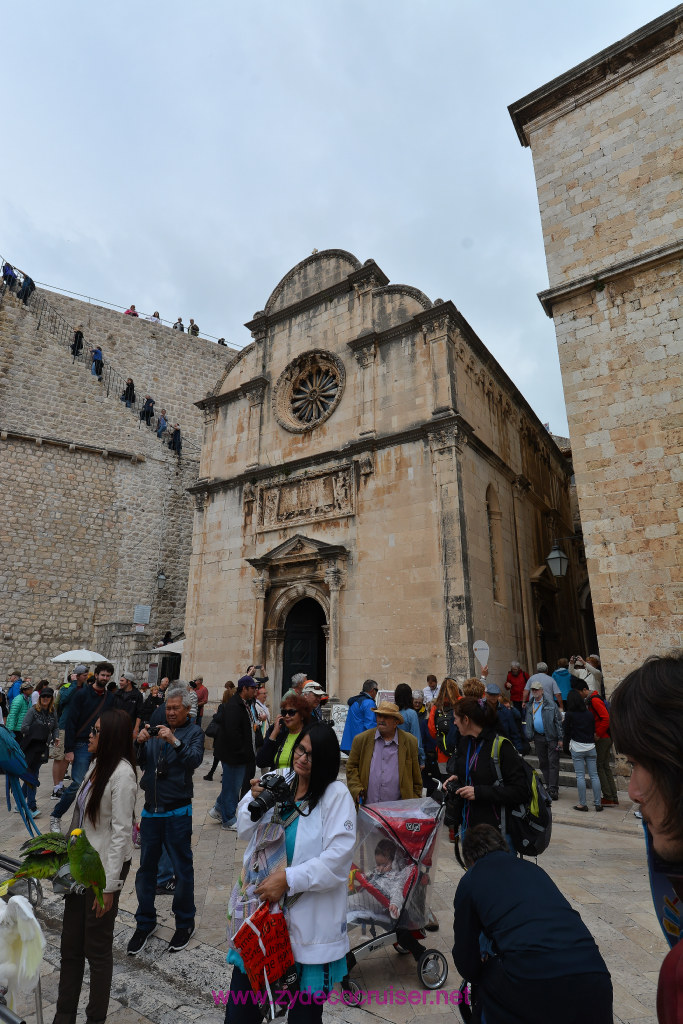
(393, 867)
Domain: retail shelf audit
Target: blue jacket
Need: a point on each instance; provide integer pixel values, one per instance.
(173, 788)
(359, 718)
(552, 721)
(511, 726)
(563, 679)
(411, 724)
(13, 691)
(65, 694)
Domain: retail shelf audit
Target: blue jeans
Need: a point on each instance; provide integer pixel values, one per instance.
(174, 834)
(229, 797)
(582, 763)
(165, 870)
(79, 767)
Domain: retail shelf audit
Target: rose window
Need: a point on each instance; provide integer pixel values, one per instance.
(309, 391)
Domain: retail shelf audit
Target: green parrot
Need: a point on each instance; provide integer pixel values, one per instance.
(85, 864)
(44, 856)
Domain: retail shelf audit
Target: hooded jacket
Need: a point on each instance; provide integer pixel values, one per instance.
(359, 718)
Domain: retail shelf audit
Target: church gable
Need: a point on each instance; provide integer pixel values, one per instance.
(316, 273)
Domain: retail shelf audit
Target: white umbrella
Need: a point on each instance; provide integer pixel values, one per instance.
(81, 657)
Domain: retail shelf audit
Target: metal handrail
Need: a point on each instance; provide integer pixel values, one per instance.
(64, 332)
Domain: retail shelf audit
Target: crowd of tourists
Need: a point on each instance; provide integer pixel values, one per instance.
(512, 926)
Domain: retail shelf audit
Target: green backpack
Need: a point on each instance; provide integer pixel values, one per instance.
(529, 825)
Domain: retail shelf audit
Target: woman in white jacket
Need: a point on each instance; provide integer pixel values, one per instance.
(105, 804)
(320, 841)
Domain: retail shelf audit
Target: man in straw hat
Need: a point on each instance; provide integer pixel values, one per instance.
(383, 763)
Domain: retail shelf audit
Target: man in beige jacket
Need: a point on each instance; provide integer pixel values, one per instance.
(383, 763)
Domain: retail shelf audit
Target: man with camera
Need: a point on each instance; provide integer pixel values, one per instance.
(168, 755)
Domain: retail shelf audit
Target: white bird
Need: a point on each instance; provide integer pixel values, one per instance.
(21, 947)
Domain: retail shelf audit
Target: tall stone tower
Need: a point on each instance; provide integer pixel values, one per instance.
(607, 145)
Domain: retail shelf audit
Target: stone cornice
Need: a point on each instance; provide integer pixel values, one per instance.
(363, 446)
(649, 45)
(72, 446)
(598, 279)
(243, 391)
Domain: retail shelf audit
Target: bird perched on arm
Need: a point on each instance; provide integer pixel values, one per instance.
(45, 855)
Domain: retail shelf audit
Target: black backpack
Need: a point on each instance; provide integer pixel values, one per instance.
(530, 824)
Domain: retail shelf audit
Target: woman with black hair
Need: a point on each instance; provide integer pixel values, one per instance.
(38, 729)
(104, 808)
(579, 743)
(480, 798)
(403, 698)
(320, 833)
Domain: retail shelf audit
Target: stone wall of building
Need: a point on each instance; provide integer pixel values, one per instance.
(93, 504)
(607, 142)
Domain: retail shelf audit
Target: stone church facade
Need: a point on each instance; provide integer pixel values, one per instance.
(607, 145)
(374, 495)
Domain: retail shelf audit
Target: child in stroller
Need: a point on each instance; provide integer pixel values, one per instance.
(387, 880)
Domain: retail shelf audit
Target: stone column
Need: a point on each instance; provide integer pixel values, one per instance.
(364, 350)
(274, 641)
(446, 445)
(334, 581)
(440, 363)
(260, 585)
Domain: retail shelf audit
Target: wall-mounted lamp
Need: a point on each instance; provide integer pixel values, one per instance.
(558, 562)
(161, 579)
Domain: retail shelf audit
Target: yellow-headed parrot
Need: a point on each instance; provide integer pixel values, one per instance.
(85, 864)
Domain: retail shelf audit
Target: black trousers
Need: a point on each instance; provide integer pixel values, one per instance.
(578, 997)
(249, 773)
(86, 936)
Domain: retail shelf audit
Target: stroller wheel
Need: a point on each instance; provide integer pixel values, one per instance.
(351, 993)
(432, 969)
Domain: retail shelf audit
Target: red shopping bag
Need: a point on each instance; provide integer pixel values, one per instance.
(263, 943)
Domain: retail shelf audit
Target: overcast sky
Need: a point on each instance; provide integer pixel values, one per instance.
(185, 156)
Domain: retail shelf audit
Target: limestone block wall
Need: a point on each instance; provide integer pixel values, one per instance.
(607, 145)
(92, 505)
(621, 354)
(174, 368)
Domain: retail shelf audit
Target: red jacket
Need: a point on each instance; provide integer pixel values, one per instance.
(516, 684)
(670, 988)
(600, 714)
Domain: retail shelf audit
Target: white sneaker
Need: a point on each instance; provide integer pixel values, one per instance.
(213, 813)
(37, 813)
(55, 824)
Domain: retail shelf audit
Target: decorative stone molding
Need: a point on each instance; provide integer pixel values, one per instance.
(254, 390)
(366, 464)
(449, 437)
(308, 391)
(326, 495)
(334, 578)
(200, 500)
(260, 585)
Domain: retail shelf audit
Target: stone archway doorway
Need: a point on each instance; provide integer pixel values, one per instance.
(304, 647)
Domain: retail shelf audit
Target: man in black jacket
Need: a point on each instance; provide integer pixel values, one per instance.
(168, 755)
(129, 699)
(235, 746)
(86, 705)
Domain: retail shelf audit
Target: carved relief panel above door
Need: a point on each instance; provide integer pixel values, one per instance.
(326, 495)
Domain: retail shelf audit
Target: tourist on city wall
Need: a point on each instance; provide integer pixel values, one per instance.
(97, 362)
(19, 708)
(193, 329)
(9, 276)
(647, 727)
(441, 721)
(128, 393)
(162, 423)
(176, 444)
(603, 741)
(383, 764)
(562, 677)
(155, 318)
(235, 746)
(318, 841)
(105, 805)
(86, 706)
(27, 289)
(132, 311)
(283, 735)
(403, 699)
(228, 692)
(168, 760)
(360, 715)
(77, 343)
(546, 965)
(579, 743)
(179, 325)
(479, 796)
(147, 411)
(38, 729)
(515, 684)
(543, 727)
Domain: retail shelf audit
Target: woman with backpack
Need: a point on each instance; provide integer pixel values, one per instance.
(440, 723)
(38, 729)
(473, 780)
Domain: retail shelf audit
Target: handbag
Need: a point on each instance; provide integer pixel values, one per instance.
(263, 943)
(213, 727)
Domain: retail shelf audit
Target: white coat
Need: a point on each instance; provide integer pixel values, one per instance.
(112, 837)
(320, 872)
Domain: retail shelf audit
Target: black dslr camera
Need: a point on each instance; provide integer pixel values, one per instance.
(276, 790)
(153, 730)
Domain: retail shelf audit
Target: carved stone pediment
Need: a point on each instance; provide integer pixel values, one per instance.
(299, 550)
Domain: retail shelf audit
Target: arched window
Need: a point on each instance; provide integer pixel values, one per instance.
(493, 518)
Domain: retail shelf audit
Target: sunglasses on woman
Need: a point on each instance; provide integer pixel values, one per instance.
(289, 712)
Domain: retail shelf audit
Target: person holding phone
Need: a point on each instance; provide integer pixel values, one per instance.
(284, 733)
